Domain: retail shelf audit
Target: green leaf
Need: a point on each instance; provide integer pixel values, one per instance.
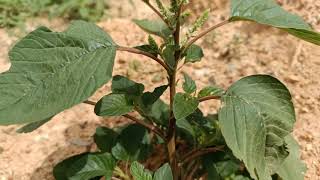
(194, 54)
(184, 105)
(221, 165)
(150, 98)
(105, 138)
(292, 168)
(202, 131)
(149, 49)
(53, 71)
(85, 166)
(256, 115)
(211, 91)
(133, 144)
(268, 12)
(139, 173)
(123, 85)
(32, 126)
(158, 112)
(156, 27)
(164, 172)
(113, 105)
(189, 86)
(168, 55)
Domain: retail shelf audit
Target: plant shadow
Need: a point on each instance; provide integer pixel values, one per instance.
(78, 139)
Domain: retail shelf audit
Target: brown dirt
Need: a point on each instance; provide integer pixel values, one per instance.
(234, 51)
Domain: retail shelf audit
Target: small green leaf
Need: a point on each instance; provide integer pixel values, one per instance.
(133, 144)
(149, 98)
(221, 165)
(292, 168)
(153, 44)
(158, 112)
(139, 172)
(189, 86)
(53, 71)
(211, 91)
(168, 55)
(105, 138)
(149, 49)
(184, 105)
(268, 12)
(256, 115)
(32, 126)
(202, 131)
(155, 27)
(163, 173)
(113, 105)
(194, 54)
(85, 166)
(123, 85)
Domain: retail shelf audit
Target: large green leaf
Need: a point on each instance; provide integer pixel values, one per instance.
(139, 172)
(85, 167)
(155, 27)
(292, 168)
(184, 105)
(268, 12)
(256, 115)
(53, 71)
(163, 173)
(114, 105)
(132, 144)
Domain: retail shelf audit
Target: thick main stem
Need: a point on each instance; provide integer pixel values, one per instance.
(172, 82)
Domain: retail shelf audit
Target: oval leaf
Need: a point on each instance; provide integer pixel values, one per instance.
(85, 166)
(155, 27)
(210, 91)
(53, 71)
(139, 172)
(105, 138)
(184, 105)
(114, 105)
(256, 115)
(163, 173)
(133, 144)
(189, 86)
(268, 12)
(194, 54)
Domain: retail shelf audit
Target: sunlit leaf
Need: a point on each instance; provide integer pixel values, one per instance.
(268, 12)
(53, 71)
(256, 115)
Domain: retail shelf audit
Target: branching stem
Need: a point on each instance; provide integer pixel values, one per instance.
(207, 98)
(158, 13)
(205, 32)
(192, 155)
(151, 127)
(137, 51)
